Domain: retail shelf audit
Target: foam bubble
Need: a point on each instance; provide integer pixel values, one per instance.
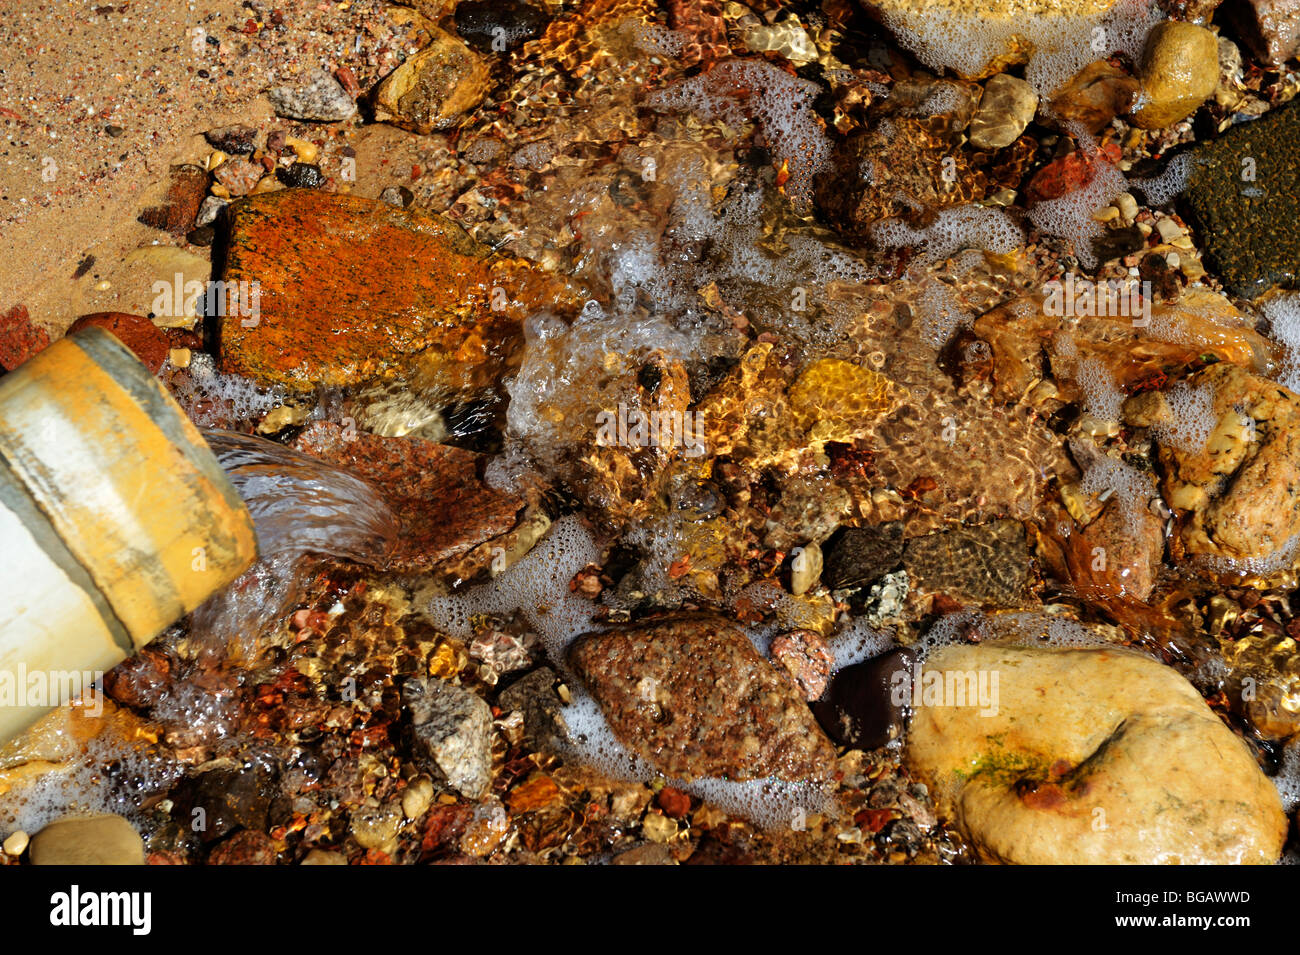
(1070, 216)
(205, 394)
(737, 91)
(1188, 429)
(537, 586)
(954, 229)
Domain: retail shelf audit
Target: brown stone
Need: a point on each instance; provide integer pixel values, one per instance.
(443, 508)
(1095, 95)
(146, 340)
(20, 337)
(434, 88)
(693, 697)
(1180, 69)
(239, 175)
(186, 187)
(1271, 28)
(354, 289)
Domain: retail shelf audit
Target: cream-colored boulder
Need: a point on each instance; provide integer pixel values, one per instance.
(1097, 756)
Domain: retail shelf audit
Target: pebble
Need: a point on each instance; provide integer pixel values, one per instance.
(376, 827)
(659, 828)
(1180, 70)
(1128, 206)
(211, 208)
(305, 150)
(301, 175)
(319, 97)
(1168, 229)
(180, 357)
(805, 569)
(417, 797)
(239, 175)
(88, 840)
(434, 88)
(16, 843)
(1096, 95)
(453, 729)
(1008, 105)
(398, 196)
(859, 709)
(233, 139)
(186, 187)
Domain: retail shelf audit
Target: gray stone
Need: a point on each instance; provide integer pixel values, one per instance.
(453, 728)
(318, 96)
(1008, 104)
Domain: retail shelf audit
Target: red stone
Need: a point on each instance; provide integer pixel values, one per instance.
(20, 339)
(444, 510)
(673, 802)
(1073, 171)
(187, 186)
(136, 332)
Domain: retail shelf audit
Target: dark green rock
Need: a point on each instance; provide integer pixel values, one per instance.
(1244, 199)
(859, 556)
(987, 564)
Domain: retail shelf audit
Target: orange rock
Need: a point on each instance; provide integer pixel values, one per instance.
(354, 289)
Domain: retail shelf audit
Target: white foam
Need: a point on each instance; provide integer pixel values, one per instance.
(1287, 779)
(965, 40)
(954, 229)
(537, 586)
(1070, 216)
(203, 392)
(737, 91)
(1192, 418)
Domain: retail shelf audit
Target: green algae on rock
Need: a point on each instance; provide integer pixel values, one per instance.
(1098, 756)
(1244, 196)
(354, 289)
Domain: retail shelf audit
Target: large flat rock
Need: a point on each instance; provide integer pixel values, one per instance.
(1089, 757)
(354, 289)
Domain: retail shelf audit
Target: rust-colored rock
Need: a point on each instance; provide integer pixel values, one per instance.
(443, 508)
(20, 337)
(186, 187)
(1069, 173)
(692, 696)
(146, 340)
(354, 289)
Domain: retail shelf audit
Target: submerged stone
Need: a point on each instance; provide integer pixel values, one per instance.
(353, 289)
(1049, 756)
(1244, 198)
(444, 510)
(433, 88)
(986, 564)
(693, 697)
